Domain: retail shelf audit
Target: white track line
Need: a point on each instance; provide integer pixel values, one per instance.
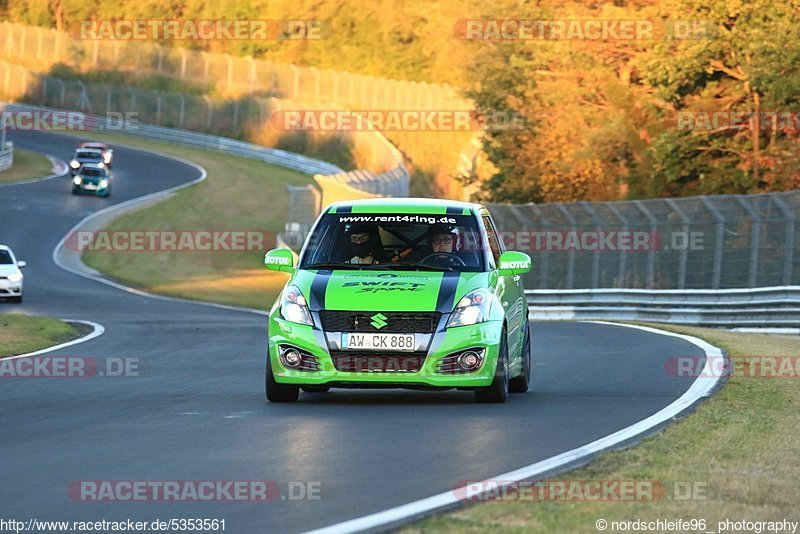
(701, 387)
(97, 330)
(138, 200)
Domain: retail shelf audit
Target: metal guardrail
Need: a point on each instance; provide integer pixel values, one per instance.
(757, 307)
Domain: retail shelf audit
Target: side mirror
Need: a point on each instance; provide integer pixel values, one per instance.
(513, 263)
(21, 264)
(279, 259)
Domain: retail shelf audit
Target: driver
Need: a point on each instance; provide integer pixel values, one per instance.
(442, 239)
(361, 246)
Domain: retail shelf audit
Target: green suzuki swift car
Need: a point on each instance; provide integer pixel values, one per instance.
(400, 293)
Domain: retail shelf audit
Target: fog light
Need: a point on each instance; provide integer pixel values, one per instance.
(469, 360)
(291, 358)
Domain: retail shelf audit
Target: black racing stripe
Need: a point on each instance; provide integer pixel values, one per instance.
(344, 209)
(452, 210)
(318, 287)
(447, 292)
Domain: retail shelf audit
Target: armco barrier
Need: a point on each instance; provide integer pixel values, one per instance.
(757, 307)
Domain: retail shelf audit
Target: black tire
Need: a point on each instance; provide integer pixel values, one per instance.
(75, 191)
(316, 389)
(522, 383)
(16, 299)
(498, 391)
(279, 392)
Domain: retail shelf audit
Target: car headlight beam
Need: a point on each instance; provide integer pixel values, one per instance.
(15, 277)
(76, 180)
(294, 307)
(74, 164)
(473, 308)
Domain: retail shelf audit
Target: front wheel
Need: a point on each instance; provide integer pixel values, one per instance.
(279, 392)
(498, 391)
(522, 383)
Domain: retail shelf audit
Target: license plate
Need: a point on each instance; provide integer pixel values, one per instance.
(393, 342)
(89, 186)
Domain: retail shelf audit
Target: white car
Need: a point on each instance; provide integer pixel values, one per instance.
(108, 153)
(10, 275)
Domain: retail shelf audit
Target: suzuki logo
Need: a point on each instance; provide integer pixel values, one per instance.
(378, 321)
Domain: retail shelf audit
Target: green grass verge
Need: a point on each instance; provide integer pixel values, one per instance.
(239, 194)
(20, 334)
(27, 165)
(741, 445)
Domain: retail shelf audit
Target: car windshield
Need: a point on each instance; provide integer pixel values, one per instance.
(89, 155)
(5, 258)
(400, 241)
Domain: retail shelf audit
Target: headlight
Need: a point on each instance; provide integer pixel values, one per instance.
(472, 309)
(15, 277)
(103, 183)
(76, 180)
(101, 165)
(294, 307)
(74, 164)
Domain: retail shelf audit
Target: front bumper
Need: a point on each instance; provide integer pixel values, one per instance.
(96, 190)
(444, 342)
(10, 289)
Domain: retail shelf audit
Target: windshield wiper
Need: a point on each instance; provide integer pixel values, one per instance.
(346, 266)
(330, 266)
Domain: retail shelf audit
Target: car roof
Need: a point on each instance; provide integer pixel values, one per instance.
(90, 144)
(93, 150)
(4, 247)
(405, 205)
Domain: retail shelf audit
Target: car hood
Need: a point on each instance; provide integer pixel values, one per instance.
(355, 290)
(6, 269)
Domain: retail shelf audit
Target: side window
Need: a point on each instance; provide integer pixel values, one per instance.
(491, 235)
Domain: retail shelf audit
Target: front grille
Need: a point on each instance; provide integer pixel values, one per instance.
(374, 362)
(396, 322)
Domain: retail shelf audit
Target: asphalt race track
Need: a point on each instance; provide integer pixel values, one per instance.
(197, 411)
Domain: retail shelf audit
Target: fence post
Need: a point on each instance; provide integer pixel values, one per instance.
(571, 264)
(685, 251)
(651, 255)
(210, 111)
(182, 111)
(755, 240)
(544, 255)
(596, 256)
(623, 255)
(184, 55)
(718, 241)
(788, 249)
